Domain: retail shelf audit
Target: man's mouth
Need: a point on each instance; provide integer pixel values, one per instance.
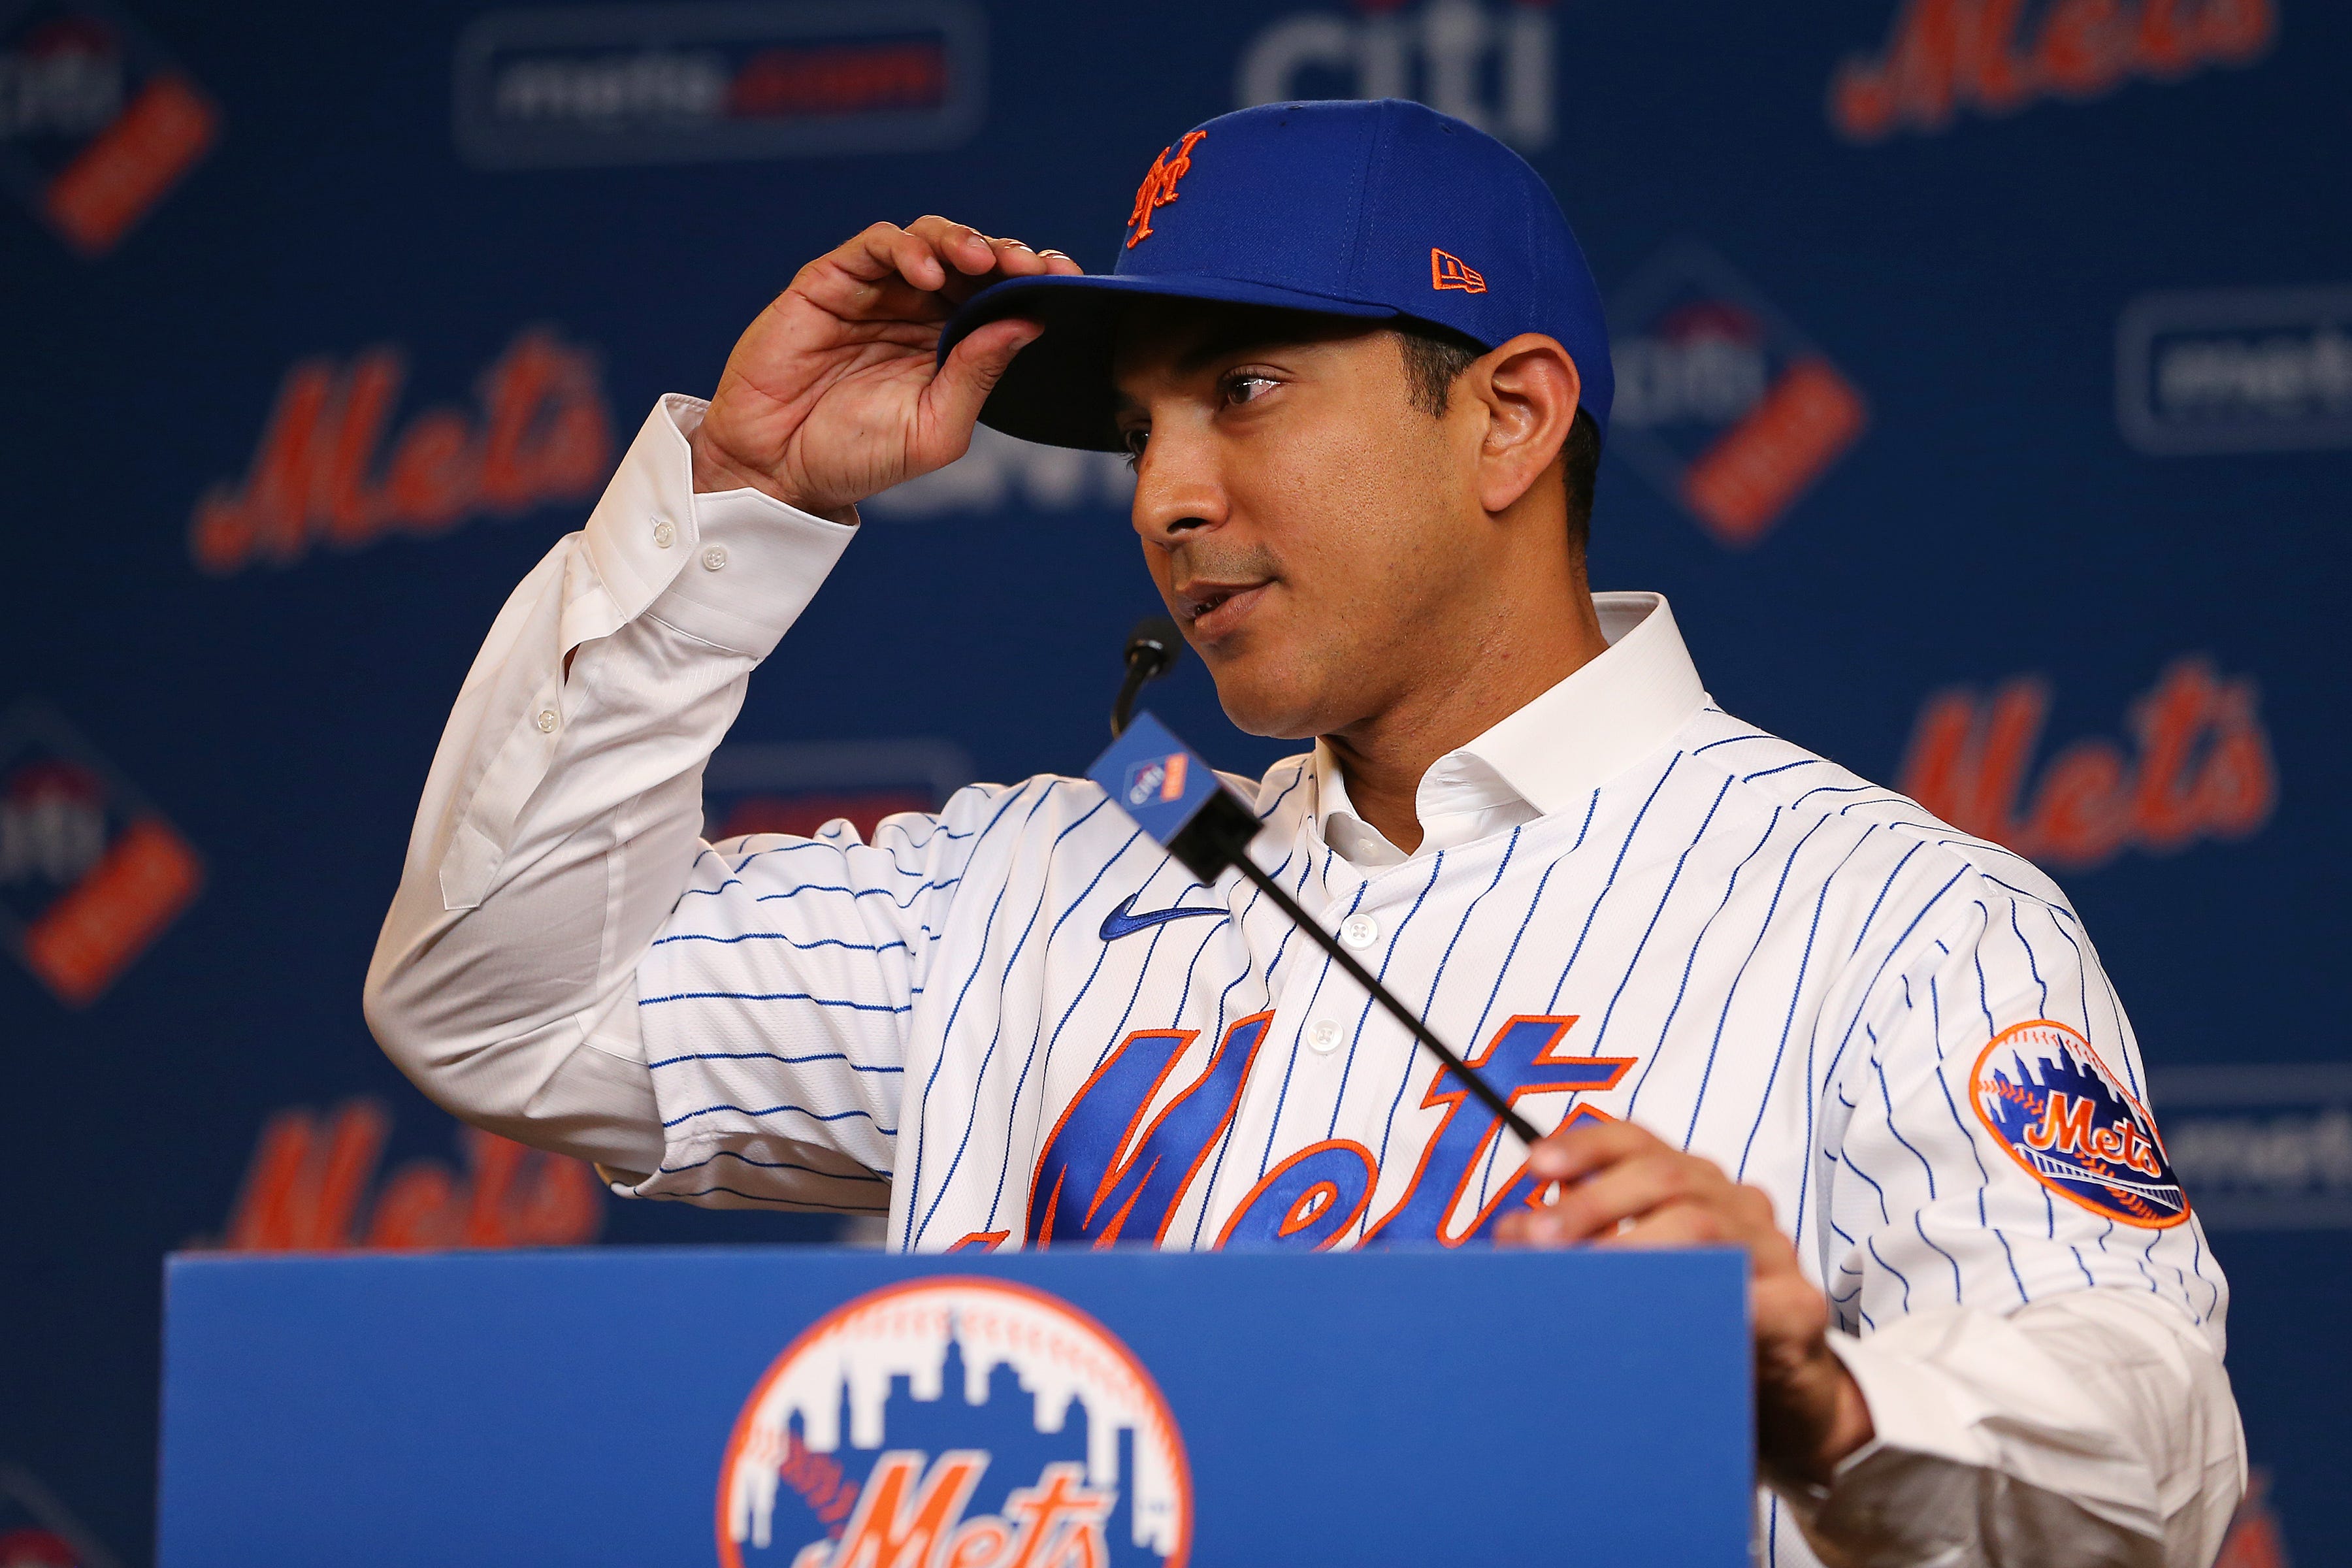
(1210, 610)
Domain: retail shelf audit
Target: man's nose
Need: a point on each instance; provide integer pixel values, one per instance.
(1178, 490)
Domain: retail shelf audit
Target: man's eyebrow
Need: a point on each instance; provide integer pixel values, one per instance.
(1216, 345)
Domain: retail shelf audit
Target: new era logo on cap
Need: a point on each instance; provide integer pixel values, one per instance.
(1330, 208)
(1448, 271)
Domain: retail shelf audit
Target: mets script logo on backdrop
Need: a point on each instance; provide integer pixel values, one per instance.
(1997, 56)
(2199, 766)
(89, 873)
(1486, 63)
(2236, 370)
(308, 1190)
(637, 84)
(2047, 1098)
(330, 470)
(1721, 403)
(96, 124)
(956, 1421)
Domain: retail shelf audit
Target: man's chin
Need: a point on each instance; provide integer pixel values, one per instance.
(1272, 711)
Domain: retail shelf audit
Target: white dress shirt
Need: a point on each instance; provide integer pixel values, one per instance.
(560, 833)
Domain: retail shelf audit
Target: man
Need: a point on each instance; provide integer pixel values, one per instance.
(1360, 364)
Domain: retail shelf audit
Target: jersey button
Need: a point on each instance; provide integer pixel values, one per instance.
(1324, 1036)
(1360, 932)
(546, 721)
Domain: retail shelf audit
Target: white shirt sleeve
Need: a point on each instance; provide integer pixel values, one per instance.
(562, 815)
(2046, 1384)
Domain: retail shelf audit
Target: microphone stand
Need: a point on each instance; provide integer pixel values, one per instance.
(1217, 837)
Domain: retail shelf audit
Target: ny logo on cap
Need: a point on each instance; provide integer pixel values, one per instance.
(1159, 187)
(1447, 270)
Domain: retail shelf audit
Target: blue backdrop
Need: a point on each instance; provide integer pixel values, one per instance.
(1985, 401)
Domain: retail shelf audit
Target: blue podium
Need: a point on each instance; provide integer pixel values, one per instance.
(831, 1409)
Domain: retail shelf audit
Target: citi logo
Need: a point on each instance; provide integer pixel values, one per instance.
(1488, 64)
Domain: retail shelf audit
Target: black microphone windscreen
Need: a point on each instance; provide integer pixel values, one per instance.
(1155, 639)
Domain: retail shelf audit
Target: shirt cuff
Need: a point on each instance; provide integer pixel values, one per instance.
(732, 568)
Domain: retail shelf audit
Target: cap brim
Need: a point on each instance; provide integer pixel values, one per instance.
(1058, 390)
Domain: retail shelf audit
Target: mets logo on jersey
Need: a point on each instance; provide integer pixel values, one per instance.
(2045, 1096)
(956, 1421)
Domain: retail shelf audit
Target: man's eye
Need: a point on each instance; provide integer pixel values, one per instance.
(1135, 441)
(1248, 388)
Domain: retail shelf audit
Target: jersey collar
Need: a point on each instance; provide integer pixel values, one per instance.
(1625, 704)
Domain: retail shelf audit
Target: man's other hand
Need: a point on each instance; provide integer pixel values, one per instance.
(1612, 1184)
(831, 397)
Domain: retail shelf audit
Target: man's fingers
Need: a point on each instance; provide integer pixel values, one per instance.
(920, 273)
(1673, 1225)
(1574, 1153)
(1627, 1190)
(958, 245)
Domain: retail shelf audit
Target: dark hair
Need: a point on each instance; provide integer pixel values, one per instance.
(1436, 356)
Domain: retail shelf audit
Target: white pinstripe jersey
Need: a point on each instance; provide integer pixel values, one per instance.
(977, 1025)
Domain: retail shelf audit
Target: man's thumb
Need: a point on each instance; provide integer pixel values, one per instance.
(975, 367)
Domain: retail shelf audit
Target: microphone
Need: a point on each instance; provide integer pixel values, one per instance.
(1179, 800)
(1153, 650)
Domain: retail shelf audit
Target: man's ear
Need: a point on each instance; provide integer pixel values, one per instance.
(1529, 389)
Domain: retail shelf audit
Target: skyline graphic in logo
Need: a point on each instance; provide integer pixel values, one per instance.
(2235, 370)
(956, 1420)
(97, 124)
(612, 85)
(1722, 405)
(90, 874)
(2048, 1100)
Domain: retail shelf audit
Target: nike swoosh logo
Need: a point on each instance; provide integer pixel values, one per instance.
(1124, 921)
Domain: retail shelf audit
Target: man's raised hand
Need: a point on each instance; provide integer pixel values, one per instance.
(831, 394)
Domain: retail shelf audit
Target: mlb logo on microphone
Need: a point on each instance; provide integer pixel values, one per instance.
(1161, 778)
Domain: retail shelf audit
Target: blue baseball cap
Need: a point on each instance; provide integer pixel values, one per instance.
(1376, 209)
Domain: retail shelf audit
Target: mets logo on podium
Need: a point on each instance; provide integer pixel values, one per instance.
(2047, 1097)
(956, 1423)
